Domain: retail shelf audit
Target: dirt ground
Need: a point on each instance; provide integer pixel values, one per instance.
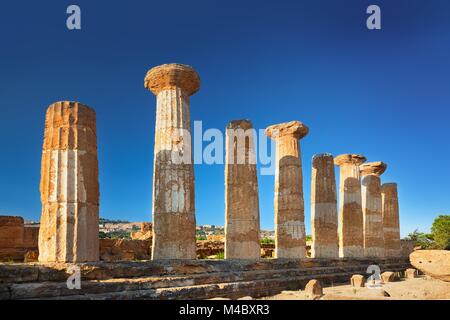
(422, 288)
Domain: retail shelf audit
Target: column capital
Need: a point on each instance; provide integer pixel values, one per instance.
(170, 76)
(296, 129)
(320, 156)
(349, 158)
(373, 168)
(240, 124)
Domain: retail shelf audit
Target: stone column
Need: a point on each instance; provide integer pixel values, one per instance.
(351, 230)
(173, 171)
(290, 237)
(324, 217)
(372, 208)
(241, 193)
(391, 222)
(69, 185)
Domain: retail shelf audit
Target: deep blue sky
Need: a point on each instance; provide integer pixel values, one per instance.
(382, 93)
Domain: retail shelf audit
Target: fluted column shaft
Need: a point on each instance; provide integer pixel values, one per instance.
(290, 239)
(173, 208)
(373, 219)
(324, 217)
(351, 225)
(391, 220)
(69, 185)
(241, 193)
(372, 208)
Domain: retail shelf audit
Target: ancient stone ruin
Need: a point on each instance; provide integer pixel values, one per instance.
(324, 216)
(69, 185)
(364, 231)
(173, 170)
(241, 193)
(351, 226)
(290, 237)
(17, 239)
(391, 222)
(372, 208)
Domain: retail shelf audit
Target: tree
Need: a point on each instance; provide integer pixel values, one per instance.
(441, 232)
(425, 241)
(267, 241)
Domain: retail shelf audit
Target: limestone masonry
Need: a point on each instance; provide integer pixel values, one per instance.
(69, 185)
(173, 171)
(290, 238)
(324, 216)
(364, 231)
(241, 193)
(351, 231)
(391, 223)
(372, 208)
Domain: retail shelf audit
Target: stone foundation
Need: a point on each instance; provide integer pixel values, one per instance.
(16, 239)
(178, 279)
(125, 250)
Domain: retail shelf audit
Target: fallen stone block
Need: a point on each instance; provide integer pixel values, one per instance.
(388, 276)
(410, 273)
(434, 263)
(357, 281)
(313, 289)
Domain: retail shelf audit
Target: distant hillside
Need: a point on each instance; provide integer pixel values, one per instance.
(103, 221)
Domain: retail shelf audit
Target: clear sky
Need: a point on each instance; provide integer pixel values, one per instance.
(382, 93)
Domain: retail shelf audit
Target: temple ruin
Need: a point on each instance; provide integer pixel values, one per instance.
(69, 185)
(241, 193)
(324, 216)
(290, 237)
(173, 170)
(391, 220)
(372, 208)
(364, 231)
(351, 224)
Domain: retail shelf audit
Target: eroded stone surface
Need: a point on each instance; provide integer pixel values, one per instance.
(69, 185)
(172, 76)
(351, 224)
(388, 276)
(313, 289)
(241, 193)
(391, 223)
(146, 232)
(435, 263)
(11, 238)
(410, 273)
(289, 205)
(372, 208)
(173, 172)
(182, 279)
(357, 281)
(324, 217)
(295, 129)
(125, 250)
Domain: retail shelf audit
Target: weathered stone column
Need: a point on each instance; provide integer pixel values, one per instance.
(241, 193)
(391, 221)
(324, 216)
(173, 172)
(372, 208)
(351, 230)
(290, 237)
(69, 185)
